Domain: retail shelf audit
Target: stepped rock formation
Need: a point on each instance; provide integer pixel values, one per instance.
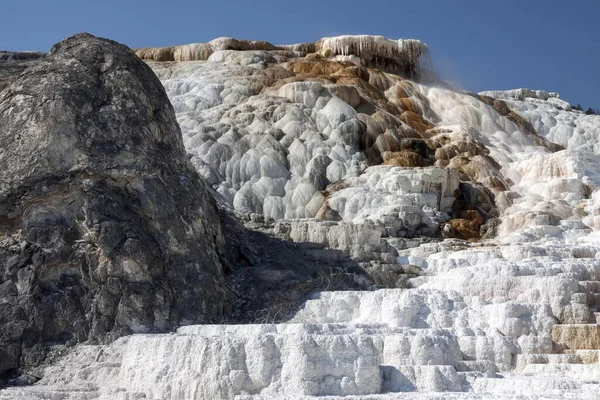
(472, 220)
(105, 227)
(406, 57)
(294, 132)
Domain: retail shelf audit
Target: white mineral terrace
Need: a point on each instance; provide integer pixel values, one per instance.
(489, 321)
(272, 151)
(368, 50)
(514, 317)
(366, 47)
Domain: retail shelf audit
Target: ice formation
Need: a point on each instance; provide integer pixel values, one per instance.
(406, 57)
(333, 144)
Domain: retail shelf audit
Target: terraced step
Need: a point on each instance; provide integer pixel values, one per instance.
(49, 393)
(588, 372)
(579, 395)
(524, 360)
(576, 336)
(537, 387)
(422, 378)
(590, 286)
(586, 356)
(484, 366)
(222, 361)
(421, 308)
(593, 300)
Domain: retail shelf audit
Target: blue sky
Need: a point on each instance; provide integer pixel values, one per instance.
(480, 45)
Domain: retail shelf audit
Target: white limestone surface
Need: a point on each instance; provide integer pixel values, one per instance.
(547, 187)
(479, 327)
(402, 200)
(478, 322)
(263, 154)
(273, 148)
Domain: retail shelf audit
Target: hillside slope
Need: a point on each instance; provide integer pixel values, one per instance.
(485, 205)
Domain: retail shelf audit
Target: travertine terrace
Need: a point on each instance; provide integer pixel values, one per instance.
(476, 216)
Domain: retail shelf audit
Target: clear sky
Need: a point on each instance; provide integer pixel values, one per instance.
(478, 44)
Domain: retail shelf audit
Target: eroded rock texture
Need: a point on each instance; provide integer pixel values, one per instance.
(12, 64)
(105, 227)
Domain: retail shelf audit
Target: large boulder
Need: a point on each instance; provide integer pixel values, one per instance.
(12, 64)
(105, 227)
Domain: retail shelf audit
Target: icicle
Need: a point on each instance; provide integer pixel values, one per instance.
(406, 57)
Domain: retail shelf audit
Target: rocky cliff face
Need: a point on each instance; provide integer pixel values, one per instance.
(105, 227)
(12, 64)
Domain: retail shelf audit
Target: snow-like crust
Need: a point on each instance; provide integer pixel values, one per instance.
(407, 57)
(369, 50)
(520, 94)
(567, 181)
(275, 154)
(482, 323)
(533, 96)
(276, 162)
(486, 320)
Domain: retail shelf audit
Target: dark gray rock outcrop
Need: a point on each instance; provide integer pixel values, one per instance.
(13, 64)
(105, 227)
(20, 55)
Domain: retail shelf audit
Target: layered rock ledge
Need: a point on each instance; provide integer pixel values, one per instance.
(406, 57)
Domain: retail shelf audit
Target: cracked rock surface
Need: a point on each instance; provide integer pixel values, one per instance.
(105, 227)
